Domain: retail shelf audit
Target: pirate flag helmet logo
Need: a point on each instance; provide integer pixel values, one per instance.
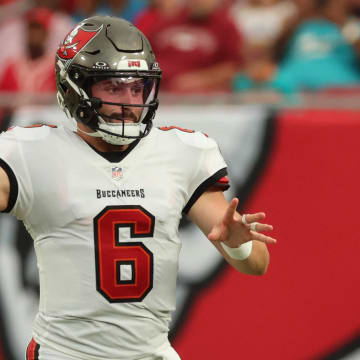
(75, 41)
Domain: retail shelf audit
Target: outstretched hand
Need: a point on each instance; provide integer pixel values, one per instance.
(234, 232)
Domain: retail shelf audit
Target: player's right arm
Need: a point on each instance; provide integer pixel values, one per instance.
(4, 189)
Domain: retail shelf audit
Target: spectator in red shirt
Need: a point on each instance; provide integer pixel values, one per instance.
(198, 46)
(32, 72)
(158, 11)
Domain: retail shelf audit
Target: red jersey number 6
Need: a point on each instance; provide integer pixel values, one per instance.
(124, 270)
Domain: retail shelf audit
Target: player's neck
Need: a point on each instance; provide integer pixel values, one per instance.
(98, 143)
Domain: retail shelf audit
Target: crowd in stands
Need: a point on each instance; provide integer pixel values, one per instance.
(203, 46)
(198, 45)
(316, 48)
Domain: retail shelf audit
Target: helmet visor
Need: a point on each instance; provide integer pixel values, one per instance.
(124, 90)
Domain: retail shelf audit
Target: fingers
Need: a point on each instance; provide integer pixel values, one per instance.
(214, 235)
(230, 211)
(251, 221)
(255, 226)
(250, 218)
(230, 223)
(261, 237)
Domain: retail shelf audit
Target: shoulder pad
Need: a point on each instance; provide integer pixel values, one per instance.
(190, 137)
(33, 132)
(196, 139)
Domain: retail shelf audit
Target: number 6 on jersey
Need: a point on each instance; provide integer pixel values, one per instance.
(124, 270)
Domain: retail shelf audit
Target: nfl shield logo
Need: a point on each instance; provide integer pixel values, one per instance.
(117, 173)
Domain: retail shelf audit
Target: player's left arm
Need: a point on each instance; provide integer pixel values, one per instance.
(220, 222)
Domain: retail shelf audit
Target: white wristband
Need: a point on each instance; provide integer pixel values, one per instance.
(240, 253)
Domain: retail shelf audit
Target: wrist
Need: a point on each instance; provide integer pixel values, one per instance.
(241, 252)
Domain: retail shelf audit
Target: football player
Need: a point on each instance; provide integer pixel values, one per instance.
(103, 203)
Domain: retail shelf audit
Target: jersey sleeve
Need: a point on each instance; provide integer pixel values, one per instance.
(12, 162)
(211, 170)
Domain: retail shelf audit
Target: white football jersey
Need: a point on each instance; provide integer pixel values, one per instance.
(105, 232)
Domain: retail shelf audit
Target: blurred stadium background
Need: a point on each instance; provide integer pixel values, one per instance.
(278, 87)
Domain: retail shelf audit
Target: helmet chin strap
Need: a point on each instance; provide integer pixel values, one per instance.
(113, 133)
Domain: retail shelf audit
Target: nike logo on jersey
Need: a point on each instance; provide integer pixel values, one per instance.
(137, 193)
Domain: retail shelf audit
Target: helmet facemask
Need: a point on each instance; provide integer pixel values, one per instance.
(121, 107)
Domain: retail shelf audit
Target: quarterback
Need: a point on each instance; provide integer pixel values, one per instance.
(103, 203)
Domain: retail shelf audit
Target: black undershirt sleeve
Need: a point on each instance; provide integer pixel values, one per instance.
(211, 181)
(14, 187)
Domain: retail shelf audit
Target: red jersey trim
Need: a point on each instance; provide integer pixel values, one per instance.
(223, 181)
(167, 128)
(32, 126)
(32, 352)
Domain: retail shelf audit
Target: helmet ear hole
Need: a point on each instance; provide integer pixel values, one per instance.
(75, 75)
(83, 113)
